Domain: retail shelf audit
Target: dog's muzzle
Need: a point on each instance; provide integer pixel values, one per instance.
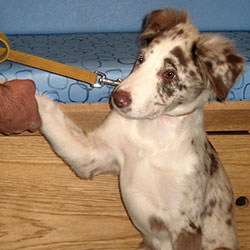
(121, 98)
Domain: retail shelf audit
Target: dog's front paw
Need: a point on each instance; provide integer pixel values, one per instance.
(50, 113)
(45, 104)
(48, 109)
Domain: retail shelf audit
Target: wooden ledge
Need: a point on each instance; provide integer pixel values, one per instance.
(228, 116)
(219, 117)
(231, 116)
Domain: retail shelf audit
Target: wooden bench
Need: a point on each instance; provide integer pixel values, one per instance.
(43, 205)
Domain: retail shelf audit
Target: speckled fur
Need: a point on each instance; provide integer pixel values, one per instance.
(172, 182)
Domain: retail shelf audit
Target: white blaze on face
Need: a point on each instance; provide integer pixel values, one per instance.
(142, 83)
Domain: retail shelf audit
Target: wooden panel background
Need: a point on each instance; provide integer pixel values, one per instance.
(43, 205)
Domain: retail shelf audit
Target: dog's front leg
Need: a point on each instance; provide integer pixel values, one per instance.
(88, 154)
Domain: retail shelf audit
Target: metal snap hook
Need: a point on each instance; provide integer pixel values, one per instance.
(103, 80)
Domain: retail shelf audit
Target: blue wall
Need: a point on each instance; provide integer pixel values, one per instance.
(76, 16)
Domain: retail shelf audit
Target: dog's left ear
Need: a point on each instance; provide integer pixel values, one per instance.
(218, 63)
(161, 20)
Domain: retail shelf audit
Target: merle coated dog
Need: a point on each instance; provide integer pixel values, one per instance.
(172, 182)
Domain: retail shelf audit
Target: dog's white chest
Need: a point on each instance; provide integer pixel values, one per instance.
(153, 186)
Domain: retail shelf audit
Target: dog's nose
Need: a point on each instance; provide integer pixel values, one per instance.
(121, 98)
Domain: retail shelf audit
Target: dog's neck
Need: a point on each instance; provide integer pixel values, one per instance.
(190, 122)
(168, 131)
(184, 114)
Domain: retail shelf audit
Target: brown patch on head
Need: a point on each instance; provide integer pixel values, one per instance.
(233, 59)
(157, 225)
(188, 240)
(181, 87)
(219, 88)
(209, 66)
(166, 87)
(178, 53)
(180, 32)
(169, 62)
(160, 20)
(157, 41)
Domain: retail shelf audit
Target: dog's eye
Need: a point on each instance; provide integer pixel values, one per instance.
(140, 59)
(169, 74)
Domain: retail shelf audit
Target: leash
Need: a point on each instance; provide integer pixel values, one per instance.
(53, 67)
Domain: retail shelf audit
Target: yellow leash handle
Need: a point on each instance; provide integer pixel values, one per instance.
(45, 64)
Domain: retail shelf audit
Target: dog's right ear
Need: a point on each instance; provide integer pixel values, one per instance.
(159, 21)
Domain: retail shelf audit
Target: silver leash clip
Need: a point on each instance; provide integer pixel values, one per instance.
(103, 80)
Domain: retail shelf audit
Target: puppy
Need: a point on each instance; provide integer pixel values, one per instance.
(172, 182)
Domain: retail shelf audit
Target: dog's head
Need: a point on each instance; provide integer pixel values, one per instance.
(177, 70)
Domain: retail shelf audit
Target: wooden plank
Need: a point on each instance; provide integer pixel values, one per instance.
(43, 205)
(87, 116)
(227, 116)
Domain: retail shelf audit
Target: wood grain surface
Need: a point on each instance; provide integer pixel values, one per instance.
(43, 205)
(226, 116)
